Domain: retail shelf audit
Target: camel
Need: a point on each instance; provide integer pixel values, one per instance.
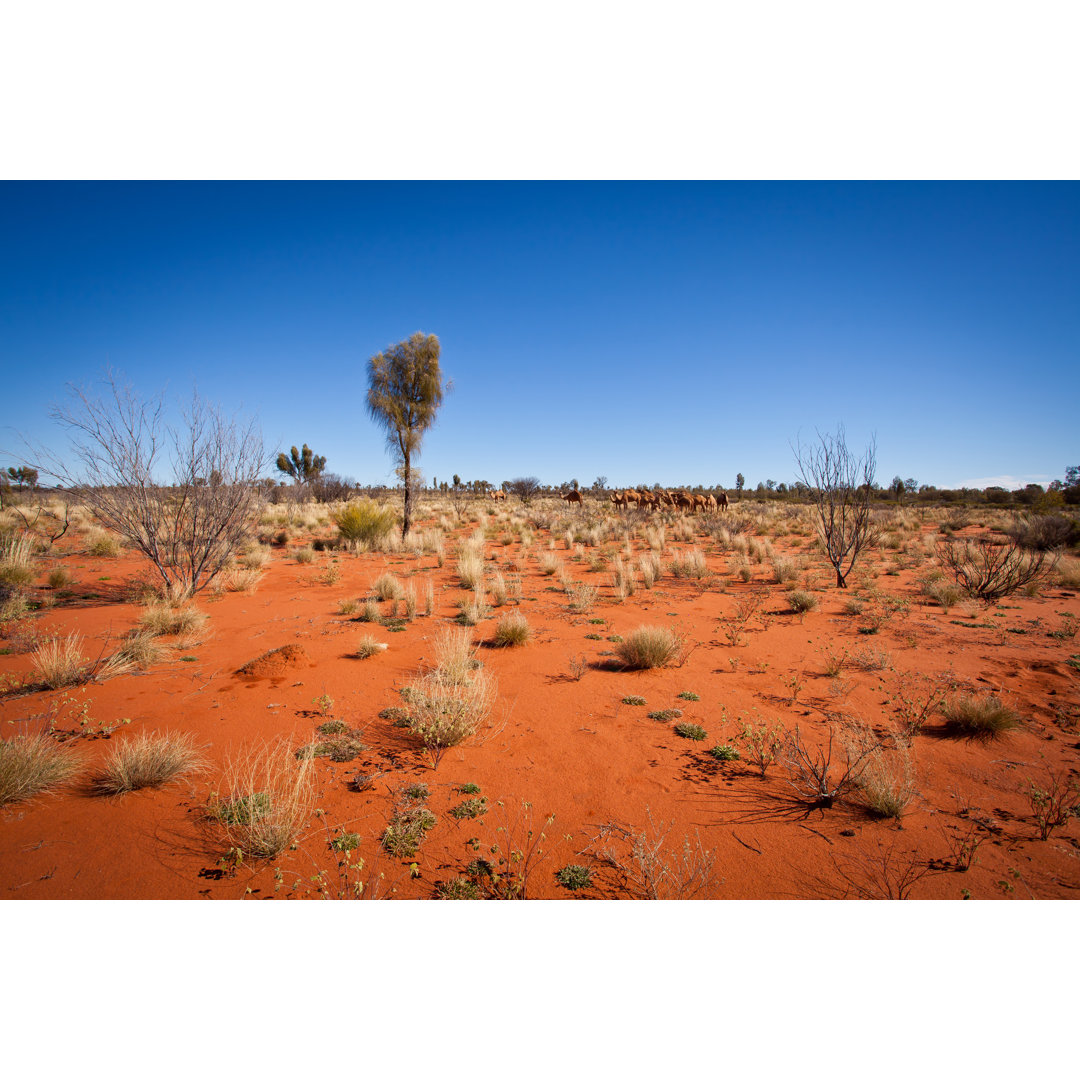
(721, 500)
(497, 496)
(572, 497)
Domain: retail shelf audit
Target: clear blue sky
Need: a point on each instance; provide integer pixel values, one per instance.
(648, 332)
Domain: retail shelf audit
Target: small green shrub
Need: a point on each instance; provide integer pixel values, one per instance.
(417, 792)
(633, 700)
(347, 841)
(470, 808)
(691, 731)
(665, 715)
(725, 752)
(333, 727)
(458, 889)
(364, 522)
(397, 715)
(406, 830)
(689, 695)
(469, 789)
(574, 877)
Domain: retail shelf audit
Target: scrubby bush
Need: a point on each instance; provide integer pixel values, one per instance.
(725, 752)
(691, 731)
(802, 601)
(364, 523)
(574, 877)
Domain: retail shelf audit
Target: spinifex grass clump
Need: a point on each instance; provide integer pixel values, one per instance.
(34, 765)
(979, 716)
(147, 760)
(649, 647)
(265, 799)
(512, 629)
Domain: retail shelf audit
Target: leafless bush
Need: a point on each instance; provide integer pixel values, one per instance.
(819, 775)
(988, 570)
(126, 455)
(889, 872)
(841, 489)
(649, 867)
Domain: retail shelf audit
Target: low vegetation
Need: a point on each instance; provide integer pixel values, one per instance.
(147, 760)
(34, 765)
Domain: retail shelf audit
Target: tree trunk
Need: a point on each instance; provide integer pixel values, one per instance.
(840, 582)
(407, 477)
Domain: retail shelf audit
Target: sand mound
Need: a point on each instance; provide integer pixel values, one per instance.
(276, 661)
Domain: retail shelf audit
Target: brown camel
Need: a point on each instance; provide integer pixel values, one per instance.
(572, 497)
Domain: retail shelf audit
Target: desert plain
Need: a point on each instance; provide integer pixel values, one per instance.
(797, 740)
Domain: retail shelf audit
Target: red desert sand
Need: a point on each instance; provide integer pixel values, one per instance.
(587, 778)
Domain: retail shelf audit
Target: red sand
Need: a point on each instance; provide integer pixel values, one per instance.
(566, 745)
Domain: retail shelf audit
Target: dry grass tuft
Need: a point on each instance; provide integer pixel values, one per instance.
(34, 765)
(60, 662)
(979, 716)
(649, 647)
(267, 795)
(369, 646)
(512, 629)
(148, 760)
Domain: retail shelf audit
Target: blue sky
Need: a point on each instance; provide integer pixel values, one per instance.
(647, 332)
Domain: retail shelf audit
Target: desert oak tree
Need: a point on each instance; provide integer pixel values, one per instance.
(405, 390)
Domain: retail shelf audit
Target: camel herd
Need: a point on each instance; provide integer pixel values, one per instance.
(646, 499)
(677, 500)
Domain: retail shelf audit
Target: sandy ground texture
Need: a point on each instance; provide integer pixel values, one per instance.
(578, 783)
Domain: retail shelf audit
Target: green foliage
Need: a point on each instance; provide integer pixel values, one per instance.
(689, 695)
(405, 832)
(725, 752)
(303, 466)
(244, 810)
(347, 841)
(691, 731)
(469, 789)
(633, 699)
(470, 808)
(664, 715)
(458, 889)
(405, 390)
(574, 877)
(364, 522)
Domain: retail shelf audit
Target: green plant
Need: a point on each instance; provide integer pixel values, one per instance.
(34, 765)
(691, 731)
(405, 832)
(333, 727)
(633, 699)
(574, 877)
(396, 714)
(470, 808)
(469, 789)
(725, 752)
(458, 889)
(689, 695)
(363, 523)
(445, 711)
(517, 852)
(665, 715)
(1054, 804)
(978, 716)
(267, 796)
(762, 743)
(917, 697)
(346, 746)
(147, 760)
(417, 792)
(324, 703)
(649, 647)
(58, 578)
(802, 601)
(347, 841)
